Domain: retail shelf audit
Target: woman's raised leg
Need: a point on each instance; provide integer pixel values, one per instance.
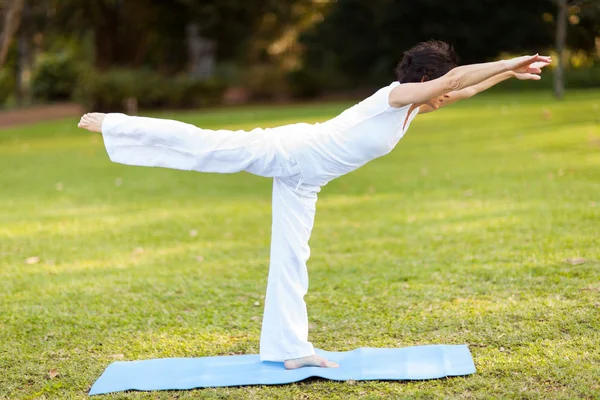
(153, 142)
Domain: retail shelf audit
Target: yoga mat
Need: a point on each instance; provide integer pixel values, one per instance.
(410, 363)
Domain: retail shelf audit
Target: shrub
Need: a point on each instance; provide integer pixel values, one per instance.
(54, 77)
(109, 91)
(305, 83)
(265, 82)
(7, 84)
(583, 77)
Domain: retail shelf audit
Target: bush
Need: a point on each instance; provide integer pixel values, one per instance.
(305, 83)
(7, 84)
(583, 77)
(265, 82)
(54, 77)
(109, 91)
(185, 92)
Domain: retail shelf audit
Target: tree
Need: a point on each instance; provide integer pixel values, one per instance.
(136, 33)
(577, 27)
(561, 39)
(360, 42)
(12, 19)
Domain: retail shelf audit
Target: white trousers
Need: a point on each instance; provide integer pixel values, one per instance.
(154, 142)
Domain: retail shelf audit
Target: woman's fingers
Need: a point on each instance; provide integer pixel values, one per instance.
(520, 63)
(538, 58)
(528, 76)
(539, 64)
(534, 70)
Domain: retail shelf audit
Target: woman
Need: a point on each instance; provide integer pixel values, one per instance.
(302, 158)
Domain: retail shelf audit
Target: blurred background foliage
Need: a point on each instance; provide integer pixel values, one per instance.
(106, 54)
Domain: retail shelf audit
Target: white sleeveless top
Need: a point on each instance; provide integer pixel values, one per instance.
(366, 131)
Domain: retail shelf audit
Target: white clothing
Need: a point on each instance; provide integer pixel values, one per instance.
(170, 144)
(300, 157)
(369, 130)
(284, 333)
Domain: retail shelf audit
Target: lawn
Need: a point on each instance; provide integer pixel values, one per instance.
(481, 227)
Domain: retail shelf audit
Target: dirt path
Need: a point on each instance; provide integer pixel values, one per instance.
(36, 114)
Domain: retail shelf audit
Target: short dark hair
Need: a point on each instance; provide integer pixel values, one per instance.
(431, 59)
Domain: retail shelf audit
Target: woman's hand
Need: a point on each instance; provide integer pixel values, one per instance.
(532, 72)
(527, 64)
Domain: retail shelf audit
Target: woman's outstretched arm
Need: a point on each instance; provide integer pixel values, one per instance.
(460, 78)
(467, 93)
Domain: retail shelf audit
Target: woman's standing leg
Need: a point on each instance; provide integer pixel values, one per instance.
(284, 335)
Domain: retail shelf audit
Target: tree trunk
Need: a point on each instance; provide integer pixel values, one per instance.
(12, 20)
(104, 46)
(201, 54)
(561, 37)
(105, 17)
(24, 61)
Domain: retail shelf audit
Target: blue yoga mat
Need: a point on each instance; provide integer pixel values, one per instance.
(410, 363)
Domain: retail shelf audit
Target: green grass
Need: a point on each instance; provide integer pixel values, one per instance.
(461, 235)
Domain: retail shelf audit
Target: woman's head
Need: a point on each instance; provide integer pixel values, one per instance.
(426, 61)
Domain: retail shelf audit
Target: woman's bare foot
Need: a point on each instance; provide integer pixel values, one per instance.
(310, 361)
(92, 122)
